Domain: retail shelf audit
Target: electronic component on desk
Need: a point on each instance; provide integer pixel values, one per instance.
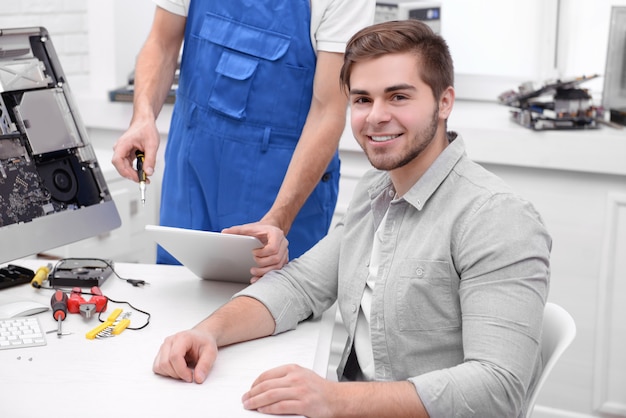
(80, 272)
(13, 275)
(52, 189)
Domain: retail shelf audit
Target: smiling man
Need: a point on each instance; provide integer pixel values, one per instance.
(440, 271)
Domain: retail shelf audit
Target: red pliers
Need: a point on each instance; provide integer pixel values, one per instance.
(77, 304)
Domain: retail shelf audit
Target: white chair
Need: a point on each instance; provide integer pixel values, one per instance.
(559, 330)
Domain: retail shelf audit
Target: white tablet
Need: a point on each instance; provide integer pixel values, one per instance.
(209, 255)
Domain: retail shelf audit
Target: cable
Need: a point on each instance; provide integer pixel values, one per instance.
(132, 307)
(134, 282)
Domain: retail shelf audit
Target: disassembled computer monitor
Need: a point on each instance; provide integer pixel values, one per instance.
(52, 190)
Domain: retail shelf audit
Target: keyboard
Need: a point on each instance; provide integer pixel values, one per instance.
(21, 332)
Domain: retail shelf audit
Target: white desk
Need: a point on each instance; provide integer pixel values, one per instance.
(76, 377)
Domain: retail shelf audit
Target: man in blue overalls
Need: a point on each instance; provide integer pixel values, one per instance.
(257, 120)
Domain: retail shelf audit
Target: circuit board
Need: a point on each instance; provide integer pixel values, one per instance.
(22, 197)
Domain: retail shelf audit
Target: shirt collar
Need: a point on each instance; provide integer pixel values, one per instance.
(382, 192)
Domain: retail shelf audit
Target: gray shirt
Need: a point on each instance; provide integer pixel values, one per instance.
(458, 303)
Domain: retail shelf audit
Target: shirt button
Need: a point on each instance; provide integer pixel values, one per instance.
(419, 272)
(353, 308)
(392, 193)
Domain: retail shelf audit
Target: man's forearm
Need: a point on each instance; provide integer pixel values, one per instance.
(307, 167)
(156, 64)
(377, 399)
(241, 319)
(317, 145)
(153, 79)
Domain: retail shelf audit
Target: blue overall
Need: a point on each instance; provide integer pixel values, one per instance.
(244, 93)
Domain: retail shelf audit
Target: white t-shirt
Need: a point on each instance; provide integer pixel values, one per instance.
(333, 22)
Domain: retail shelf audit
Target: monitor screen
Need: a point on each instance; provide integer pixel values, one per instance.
(52, 190)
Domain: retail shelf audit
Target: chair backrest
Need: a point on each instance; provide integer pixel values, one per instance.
(559, 330)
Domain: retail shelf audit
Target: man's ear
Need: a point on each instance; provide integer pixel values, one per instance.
(446, 102)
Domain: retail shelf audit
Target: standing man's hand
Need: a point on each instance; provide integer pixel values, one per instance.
(154, 73)
(275, 251)
(143, 136)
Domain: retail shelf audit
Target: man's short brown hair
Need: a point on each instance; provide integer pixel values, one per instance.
(396, 37)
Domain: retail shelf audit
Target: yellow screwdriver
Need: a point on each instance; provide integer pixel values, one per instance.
(40, 276)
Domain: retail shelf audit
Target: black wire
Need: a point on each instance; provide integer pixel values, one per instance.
(129, 304)
(134, 282)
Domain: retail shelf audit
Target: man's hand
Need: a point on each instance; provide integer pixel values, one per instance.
(275, 252)
(187, 355)
(143, 136)
(295, 390)
(291, 389)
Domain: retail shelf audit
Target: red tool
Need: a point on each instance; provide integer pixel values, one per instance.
(77, 304)
(59, 308)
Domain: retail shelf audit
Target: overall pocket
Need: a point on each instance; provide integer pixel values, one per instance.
(242, 49)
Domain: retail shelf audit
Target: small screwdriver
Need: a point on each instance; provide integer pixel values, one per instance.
(141, 175)
(59, 308)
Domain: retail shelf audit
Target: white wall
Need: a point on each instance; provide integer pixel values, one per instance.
(496, 44)
(118, 29)
(67, 23)
(583, 39)
(97, 40)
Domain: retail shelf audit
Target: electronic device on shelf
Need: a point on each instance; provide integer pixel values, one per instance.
(557, 104)
(425, 10)
(52, 190)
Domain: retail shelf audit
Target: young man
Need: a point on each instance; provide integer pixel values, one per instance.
(441, 272)
(257, 120)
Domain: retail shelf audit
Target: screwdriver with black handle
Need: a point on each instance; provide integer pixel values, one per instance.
(59, 309)
(141, 175)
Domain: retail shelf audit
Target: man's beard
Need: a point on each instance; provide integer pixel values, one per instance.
(421, 141)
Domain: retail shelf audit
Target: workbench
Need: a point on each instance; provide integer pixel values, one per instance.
(73, 376)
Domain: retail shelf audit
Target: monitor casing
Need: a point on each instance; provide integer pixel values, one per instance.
(52, 189)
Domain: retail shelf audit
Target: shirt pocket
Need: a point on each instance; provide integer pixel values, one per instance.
(239, 59)
(427, 296)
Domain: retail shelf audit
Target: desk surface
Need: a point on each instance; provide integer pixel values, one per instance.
(113, 377)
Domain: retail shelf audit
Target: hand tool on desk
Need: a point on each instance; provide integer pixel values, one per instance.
(41, 275)
(141, 175)
(111, 326)
(77, 304)
(59, 309)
